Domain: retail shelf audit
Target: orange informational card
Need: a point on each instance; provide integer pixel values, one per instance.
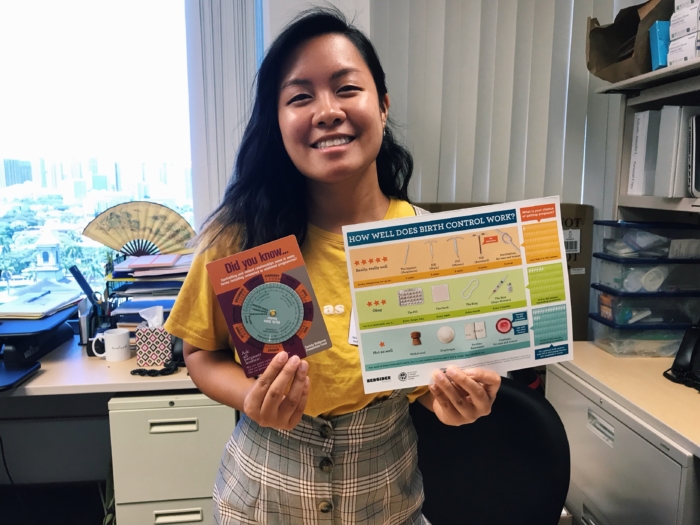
(269, 305)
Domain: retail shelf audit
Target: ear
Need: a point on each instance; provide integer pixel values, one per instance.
(385, 111)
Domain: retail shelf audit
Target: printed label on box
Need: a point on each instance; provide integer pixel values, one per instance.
(572, 241)
(684, 249)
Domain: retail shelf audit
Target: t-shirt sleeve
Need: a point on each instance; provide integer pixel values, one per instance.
(196, 316)
(417, 393)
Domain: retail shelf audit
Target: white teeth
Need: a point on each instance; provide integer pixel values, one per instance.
(332, 142)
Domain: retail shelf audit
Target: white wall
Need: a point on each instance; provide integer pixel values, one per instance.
(492, 94)
(221, 70)
(493, 97)
(279, 12)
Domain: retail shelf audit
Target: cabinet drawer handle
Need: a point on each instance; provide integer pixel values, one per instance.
(601, 428)
(163, 426)
(177, 516)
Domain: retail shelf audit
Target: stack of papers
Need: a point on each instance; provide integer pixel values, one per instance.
(132, 306)
(170, 267)
(149, 288)
(35, 305)
(149, 280)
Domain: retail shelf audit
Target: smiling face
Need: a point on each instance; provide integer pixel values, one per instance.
(329, 112)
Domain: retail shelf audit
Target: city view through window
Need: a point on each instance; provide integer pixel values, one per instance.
(93, 113)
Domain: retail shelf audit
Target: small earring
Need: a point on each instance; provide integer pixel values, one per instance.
(385, 132)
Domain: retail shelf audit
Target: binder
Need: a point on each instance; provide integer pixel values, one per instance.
(672, 159)
(645, 143)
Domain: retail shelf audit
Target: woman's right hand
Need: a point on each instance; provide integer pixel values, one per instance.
(266, 402)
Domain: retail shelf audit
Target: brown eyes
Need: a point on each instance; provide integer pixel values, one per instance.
(297, 98)
(305, 96)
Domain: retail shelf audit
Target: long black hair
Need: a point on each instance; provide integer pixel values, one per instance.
(266, 197)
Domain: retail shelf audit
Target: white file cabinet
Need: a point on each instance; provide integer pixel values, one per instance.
(166, 450)
(623, 472)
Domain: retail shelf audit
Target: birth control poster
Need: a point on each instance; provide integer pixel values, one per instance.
(482, 287)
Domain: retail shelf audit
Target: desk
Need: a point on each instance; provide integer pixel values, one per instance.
(637, 384)
(639, 462)
(68, 370)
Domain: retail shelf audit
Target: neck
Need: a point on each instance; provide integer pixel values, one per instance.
(332, 206)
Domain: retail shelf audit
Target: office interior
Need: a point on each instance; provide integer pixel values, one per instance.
(495, 100)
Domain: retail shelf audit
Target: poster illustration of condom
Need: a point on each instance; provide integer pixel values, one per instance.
(480, 287)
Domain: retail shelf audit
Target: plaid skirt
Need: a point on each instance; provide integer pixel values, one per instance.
(358, 468)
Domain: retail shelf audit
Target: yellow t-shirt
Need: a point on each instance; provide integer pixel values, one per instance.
(336, 377)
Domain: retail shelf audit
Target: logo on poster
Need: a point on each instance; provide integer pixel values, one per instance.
(403, 376)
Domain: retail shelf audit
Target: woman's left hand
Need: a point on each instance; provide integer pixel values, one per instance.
(459, 396)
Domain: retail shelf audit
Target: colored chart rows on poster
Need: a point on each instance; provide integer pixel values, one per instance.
(483, 287)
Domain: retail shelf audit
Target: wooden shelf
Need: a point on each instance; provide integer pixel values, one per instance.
(656, 78)
(659, 203)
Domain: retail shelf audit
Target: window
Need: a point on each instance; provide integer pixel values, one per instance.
(93, 112)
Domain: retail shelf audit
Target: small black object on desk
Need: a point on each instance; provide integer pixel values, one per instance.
(24, 341)
(686, 365)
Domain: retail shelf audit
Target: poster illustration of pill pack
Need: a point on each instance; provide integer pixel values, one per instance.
(481, 287)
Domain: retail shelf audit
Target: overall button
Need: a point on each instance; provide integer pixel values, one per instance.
(326, 465)
(326, 431)
(325, 507)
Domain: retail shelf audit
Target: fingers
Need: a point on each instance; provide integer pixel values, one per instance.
(489, 381)
(451, 398)
(266, 379)
(448, 413)
(275, 394)
(293, 398)
(465, 395)
(301, 405)
(278, 397)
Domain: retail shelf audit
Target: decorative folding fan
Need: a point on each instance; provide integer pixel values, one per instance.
(141, 228)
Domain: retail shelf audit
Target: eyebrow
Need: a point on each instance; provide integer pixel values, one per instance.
(306, 82)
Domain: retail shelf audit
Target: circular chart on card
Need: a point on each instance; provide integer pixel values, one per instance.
(272, 312)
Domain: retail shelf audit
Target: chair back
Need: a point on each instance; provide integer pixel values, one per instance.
(510, 467)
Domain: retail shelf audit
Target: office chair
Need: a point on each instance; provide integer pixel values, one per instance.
(508, 468)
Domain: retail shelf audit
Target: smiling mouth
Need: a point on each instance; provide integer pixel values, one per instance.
(323, 144)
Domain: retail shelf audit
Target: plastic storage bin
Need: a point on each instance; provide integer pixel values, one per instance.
(646, 340)
(648, 239)
(626, 308)
(648, 275)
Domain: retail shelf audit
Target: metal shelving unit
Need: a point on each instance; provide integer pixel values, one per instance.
(677, 85)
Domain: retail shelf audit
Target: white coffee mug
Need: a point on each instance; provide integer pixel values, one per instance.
(116, 343)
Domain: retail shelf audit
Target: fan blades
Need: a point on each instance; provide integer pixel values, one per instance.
(141, 228)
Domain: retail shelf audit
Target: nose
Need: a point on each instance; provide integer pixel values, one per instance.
(328, 112)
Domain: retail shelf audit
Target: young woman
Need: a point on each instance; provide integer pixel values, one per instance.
(311, 446)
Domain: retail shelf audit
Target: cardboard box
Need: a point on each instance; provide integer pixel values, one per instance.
(683, 49)
(577, 223)
(621, 50)
(684, 22)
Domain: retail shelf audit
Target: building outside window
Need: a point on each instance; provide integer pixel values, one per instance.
(93, 113)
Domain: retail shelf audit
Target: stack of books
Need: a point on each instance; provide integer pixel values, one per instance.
(145, 281)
